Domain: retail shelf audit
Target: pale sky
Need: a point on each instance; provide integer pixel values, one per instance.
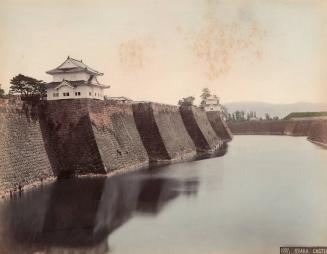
(162, 50)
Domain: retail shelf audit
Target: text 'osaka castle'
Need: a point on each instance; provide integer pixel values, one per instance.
(74, 80)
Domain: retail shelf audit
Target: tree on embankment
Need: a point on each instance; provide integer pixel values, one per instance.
(187, 101)
(205, 94)
(2, 93)
(27, 87)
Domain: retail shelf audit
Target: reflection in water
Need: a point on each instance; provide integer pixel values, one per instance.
(266, 192)
(77, 215)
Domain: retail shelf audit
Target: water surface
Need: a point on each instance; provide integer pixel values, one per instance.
(266, 192)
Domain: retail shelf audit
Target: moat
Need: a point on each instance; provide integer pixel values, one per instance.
(265, 192)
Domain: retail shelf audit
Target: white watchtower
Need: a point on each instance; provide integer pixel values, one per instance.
(211, 103)
(74, 80)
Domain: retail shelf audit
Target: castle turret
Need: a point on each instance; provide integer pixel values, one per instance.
(211, 103)
(74, 80)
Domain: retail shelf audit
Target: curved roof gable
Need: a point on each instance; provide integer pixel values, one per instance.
(74, 84)
(73, 65)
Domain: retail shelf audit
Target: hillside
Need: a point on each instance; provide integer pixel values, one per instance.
(280, 110)
(305, 115)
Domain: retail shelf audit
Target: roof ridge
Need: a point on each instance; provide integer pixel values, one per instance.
(85, 65)
(77, 64)
(75, 59)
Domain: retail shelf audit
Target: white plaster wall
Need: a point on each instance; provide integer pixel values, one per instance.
(212, 108)
(211, 101)
(96, 93)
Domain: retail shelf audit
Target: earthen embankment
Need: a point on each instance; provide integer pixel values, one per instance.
(315, 130)
(258, 127)
(318, 133)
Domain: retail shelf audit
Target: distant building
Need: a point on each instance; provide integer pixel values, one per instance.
(211, 103)
(74, 80)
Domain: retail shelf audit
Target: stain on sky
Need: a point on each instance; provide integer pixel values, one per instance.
(217, 44)
(133, 53)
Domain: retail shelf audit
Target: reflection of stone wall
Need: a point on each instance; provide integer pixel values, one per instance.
(219, 125)
(23, 157)
(55, 219)
(163, 132)
(199, 128)
(316, 130)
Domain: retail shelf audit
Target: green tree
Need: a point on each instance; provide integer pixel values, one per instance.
(27, 86)
(188, 101)
(205, 94)
(242, 113)
(267, 116)
(224, 112)
(248, 116)
(2, 92)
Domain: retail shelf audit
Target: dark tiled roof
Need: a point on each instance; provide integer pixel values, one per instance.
(77, 67)
(74, 84)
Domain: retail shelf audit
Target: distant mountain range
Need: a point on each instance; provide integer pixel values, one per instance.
(280, 110)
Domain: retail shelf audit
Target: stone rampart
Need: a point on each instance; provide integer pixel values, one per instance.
(163, 132)
(23, 156)
(89, 136)
(200, 129)
(117, 138)
(219, 126)
(71, 137)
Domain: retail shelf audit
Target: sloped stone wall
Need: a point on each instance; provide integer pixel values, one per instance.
(163, 132)
(23, 156)
(69, 136)
(90, 136)
(149, 131)
(219, 126)
(117, 138)
(199, 128)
